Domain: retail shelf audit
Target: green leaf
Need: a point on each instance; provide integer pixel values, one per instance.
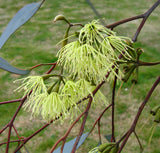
(6, 66)
(22, 16)
(69, 145)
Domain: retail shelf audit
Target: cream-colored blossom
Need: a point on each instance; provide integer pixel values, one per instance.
(94, 53)
(84, 61)
(93, 33)
(53, 106)
(32, 83)
(35, 104)
(85, 88)
(70, 94)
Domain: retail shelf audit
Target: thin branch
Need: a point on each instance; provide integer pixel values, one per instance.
(139, 142)
(146, 15)
(100, 116)
(10, 125)
(98, 120)
(51, 69)
(143, 16)
(113, 105)
(113, 25)
(68, 131)
(25, 140)
(140, 63)
(3, 143)
(4, 128)
(82, 125)
(10, 101)
(139, 113)
(42, 64)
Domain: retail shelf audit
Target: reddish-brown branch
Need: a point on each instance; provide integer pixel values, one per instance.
(113, 107)
(4, 128)
(3, 143)
(51, 69)
(10, 101)
(25, 140)
(82, 125)
(139, 142)
(10, 125)
(69, 130)
(139, 113)
(146, 15)
(100, 116)
(42, 64)
(113, 25)
(143, 16)
(140, 63)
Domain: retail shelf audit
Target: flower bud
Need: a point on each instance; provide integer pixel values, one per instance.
(60, 17)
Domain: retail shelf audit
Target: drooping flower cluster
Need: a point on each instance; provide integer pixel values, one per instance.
(94, 53)
(86, 61)
(52, 105)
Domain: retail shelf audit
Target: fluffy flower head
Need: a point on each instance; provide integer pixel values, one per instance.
(32, 83)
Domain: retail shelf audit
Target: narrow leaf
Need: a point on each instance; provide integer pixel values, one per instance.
(6, 66)
(69, 145)
(22, 16)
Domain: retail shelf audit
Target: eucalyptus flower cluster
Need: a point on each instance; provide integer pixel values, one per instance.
(45, 100)
(94, 53)
(86, 60)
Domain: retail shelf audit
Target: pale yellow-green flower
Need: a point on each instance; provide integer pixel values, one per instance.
(56, 104)
(93, 33)
(53, 107)
(94, 53)
(84, 61)
(120, 45)
(75, 91)
(70, 94)
(35, 104)
(49, 106)
(85, 88)
(32, 83)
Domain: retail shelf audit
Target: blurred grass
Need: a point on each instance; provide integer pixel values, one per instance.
(35, 43)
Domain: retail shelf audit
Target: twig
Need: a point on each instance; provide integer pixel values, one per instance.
(42, 64)
(139, 142)
(11, 101)
(82, 125)
(25, 140)
(139, 113)
(10, 125)
(68, 131)
(100, 116)
(140, 63)
(144, 16)
(113, 105)
(3, 143)
(50, 70)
